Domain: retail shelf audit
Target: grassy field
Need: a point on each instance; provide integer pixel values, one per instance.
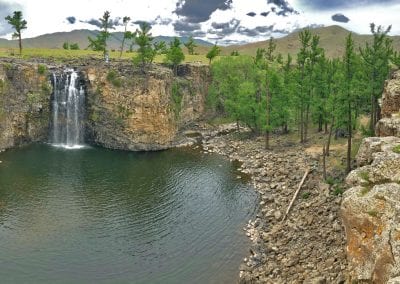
(71, 54)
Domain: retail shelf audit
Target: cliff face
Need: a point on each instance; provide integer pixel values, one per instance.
(389, 125)
(132, 111)
(125, 109)
(370, 208)
(24, 103)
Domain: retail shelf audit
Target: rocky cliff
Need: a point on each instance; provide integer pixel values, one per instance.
(389, 125)
(371, 206)
(132, 111)
(24, 103)
(125, 108)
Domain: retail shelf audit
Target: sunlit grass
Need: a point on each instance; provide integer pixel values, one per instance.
(59, 54)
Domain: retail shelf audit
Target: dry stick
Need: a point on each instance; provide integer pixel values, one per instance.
(295, 194)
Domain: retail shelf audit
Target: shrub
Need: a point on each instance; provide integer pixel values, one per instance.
(41, 69)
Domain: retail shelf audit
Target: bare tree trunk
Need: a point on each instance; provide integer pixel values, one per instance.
(267, 117)
(328, 144)
(306, 122)
(20, 44)
(324, 161)
(372, 115)
(350, 130)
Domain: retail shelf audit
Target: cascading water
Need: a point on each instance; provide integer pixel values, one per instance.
(68, 110)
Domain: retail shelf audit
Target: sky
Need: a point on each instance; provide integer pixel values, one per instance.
(221, 21)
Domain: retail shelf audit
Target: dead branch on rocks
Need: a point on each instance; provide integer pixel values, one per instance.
(296, 193)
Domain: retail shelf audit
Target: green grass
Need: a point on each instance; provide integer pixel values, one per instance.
(71, 54)
(396, 149)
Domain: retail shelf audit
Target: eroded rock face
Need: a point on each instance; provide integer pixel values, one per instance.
(24, 103)
(131, 111)
(391, 96)
(371, 212)
(389, 125)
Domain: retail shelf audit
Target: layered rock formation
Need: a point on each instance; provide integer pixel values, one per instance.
(389, 125)
(132, 111)
(24, 103)
(371, 212)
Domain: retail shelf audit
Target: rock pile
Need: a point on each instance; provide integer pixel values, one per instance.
(309, 245)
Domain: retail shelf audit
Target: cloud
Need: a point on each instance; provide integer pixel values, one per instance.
(197, 11)
(224, 29)
(264, 14)
(284, 7)
(7, 9)
(340, 18)
(162, 21)
(71, 20)
(260, 30)
(182, 26)
(335, 4)
(251, 14)
(112, 23)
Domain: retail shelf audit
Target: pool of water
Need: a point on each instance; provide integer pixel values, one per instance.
(102, 216)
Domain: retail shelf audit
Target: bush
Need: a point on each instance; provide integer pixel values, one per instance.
(113, 79)
(74, 46)
(41, 69)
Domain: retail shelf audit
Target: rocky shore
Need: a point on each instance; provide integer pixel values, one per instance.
(309, 246)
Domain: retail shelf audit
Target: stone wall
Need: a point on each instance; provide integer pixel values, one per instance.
(24, 103)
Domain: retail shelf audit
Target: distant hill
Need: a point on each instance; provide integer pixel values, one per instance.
(56, 40)
(332, 39)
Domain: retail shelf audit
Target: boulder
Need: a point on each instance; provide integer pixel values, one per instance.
(371, 212)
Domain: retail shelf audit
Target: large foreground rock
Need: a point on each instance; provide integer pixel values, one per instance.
(371, 212)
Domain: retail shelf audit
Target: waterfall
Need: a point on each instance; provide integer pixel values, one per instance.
(67, 110)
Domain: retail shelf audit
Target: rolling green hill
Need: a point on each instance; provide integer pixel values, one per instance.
(332, 39)
(56, 40)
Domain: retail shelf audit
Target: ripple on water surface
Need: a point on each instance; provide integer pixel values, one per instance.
(112, 216)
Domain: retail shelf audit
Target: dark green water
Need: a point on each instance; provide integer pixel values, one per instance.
(102, 216)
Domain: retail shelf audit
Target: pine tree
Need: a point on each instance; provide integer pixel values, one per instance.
(18, 24)
(127, 34)
(214, 52)
(190, 45)
(100, 42)
(174, 55)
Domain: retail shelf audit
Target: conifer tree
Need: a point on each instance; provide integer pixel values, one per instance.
(18, 24)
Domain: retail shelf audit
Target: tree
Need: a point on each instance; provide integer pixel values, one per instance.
(190, 45)
(214, 52)
(348, 71)
(66, 45)
(74, 46)
(147, 50)
(100, 42)
(127, 34)
(174, 54)
(377, 60)
(18, 24)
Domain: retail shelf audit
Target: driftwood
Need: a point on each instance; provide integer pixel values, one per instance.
(296, 193)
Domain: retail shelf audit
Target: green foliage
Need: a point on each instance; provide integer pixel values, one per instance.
(306, 195)
(66, 45)
(147, 50)
(33, 98)
(373, 213)
(235, 53)
(190, 45)
(396, 149)
(337, 190)
(365, 176)
(214, 52)
(100, 42)
(174, 55)
(74, 46)
(176, 98)
(112, 77)
(42, 69)
(19, 24)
